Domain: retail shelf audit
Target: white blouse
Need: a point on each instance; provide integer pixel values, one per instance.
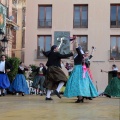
(2, 66)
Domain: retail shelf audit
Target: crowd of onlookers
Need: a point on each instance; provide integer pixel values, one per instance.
(69, 67)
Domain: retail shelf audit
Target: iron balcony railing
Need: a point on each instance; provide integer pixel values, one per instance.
(44, 23)
(77, 23)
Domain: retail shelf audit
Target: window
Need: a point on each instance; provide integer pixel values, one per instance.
(23, 16)
(23, 38)
(14, 13)
(115, 47)
(45, 17)
(14, 39)
(83, 42)
(44, 43)
(115, 16)
(80, 16)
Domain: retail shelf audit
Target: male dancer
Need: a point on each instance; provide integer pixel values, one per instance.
(55, 77)
(4, 81)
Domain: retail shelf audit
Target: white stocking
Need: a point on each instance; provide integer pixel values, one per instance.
(48, 93)
(60, 86)
(4, 91)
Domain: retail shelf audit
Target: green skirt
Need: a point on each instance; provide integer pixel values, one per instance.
(53, 77)
(113, 88)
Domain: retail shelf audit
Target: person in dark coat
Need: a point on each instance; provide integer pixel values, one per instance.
(39, 78)
(55, 77)
(5, 67)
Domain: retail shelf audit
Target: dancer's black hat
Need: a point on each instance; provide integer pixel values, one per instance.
(53, 47)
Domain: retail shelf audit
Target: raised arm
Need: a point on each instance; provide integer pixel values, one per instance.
(93, 49)
(61, 41)
(65, 56)
(78, 48)
(79, 51)
(104, 71)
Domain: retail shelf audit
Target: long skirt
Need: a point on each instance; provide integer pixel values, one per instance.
(79, 86)
(19, 84)
(113, 88)
(38, 80)
(53, 77)
(90, 73)
(4, 81)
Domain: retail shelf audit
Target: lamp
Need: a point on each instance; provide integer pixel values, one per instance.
(1, 34)
(4, 43)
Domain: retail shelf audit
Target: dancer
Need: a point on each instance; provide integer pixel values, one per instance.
(39, 78)
(4, 69)
(19, 84)
(86, 61)
(55, 77)
(87, 58)
(79, 82)
(113, 88)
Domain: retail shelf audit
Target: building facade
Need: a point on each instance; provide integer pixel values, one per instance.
(96, 23)
(15, 27)
(19, 13)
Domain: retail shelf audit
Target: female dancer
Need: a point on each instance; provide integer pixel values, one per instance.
(113, 88)
(79, 83)
(4, 69)
(87, 58)
(19, 84)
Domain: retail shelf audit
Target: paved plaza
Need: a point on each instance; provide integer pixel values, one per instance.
(34, 107)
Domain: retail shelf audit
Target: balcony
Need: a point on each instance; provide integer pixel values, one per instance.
(77, 23)
(42, 23)
(115, 24)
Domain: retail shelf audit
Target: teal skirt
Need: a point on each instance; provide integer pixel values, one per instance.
(79, 86)
(113, 88)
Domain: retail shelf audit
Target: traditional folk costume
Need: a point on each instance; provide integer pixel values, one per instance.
(39, 79)
(87, 63)
(4, 80)
(55, 77)
(19, 84)
(113, 88)
(79, 82)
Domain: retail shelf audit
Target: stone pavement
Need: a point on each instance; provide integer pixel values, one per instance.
(33, 107)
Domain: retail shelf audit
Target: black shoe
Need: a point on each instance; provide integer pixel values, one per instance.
(86, 98)
(57, 93)
(90, 98)
(48, 98)
(41, 94)
(23, 94)
(82, 100)
(107, 95)
(3, 94)
(78, 101)
(0, 95)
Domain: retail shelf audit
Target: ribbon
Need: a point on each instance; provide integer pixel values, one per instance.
(84, 70)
